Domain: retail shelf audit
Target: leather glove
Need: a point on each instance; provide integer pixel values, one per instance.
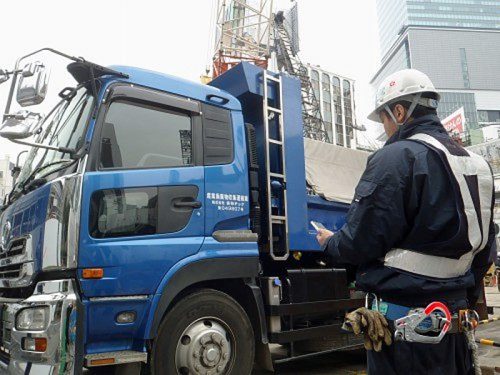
(372, 324)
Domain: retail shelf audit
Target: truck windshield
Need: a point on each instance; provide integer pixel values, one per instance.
(65, 127)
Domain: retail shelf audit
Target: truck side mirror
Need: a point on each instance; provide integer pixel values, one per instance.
(20, 125)
(4, 76)
(33, 84)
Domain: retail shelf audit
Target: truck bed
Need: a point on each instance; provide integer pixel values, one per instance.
(332, 171)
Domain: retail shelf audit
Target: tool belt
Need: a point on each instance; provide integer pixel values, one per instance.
(393, 312)
(423, 325)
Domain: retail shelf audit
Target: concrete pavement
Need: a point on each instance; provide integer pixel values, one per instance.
(489, 356)
(353, 362)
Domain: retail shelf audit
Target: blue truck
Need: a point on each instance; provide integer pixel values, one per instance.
(163, 226)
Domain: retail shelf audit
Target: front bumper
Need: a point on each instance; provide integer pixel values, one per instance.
(63, 354)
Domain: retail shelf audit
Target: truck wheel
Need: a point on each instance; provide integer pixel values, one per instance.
(206, 333)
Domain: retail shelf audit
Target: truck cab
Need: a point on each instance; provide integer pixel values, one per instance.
(162, 223)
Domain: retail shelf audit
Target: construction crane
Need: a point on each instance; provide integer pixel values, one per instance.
(248, 30)
(288, 60)
(243, 33)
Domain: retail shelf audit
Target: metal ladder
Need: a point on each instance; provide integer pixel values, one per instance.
(277, 221)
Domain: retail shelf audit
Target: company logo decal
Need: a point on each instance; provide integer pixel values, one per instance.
(228, 202)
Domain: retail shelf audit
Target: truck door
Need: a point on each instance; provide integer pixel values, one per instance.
(142, 207)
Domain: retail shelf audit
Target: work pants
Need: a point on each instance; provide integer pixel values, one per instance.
(451, 356)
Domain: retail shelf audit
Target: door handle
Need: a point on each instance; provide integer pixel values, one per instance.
(187, 204)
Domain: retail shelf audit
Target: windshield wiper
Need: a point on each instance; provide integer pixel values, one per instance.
(31, 182)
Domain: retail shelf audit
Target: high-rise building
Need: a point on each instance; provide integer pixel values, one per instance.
(395, 15)
(454, 43)
(336, 97)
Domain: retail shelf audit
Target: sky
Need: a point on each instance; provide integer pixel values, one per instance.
(174, 37)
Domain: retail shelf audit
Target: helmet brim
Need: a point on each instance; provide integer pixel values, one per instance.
(374, 116)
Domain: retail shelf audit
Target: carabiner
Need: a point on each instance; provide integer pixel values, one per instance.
(405, 327)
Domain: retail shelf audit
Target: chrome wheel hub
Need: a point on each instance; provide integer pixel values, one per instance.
(204, 348)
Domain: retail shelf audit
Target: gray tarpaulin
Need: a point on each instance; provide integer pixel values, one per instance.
(333, 171)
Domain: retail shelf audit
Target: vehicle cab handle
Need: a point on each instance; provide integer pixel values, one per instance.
(217, 99)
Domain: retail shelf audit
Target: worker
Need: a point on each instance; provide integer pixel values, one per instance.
(419, 229)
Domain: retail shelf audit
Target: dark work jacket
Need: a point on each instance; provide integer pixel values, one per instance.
(407, 198)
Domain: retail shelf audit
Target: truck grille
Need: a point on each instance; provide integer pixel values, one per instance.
(11, 272)
(17, 247)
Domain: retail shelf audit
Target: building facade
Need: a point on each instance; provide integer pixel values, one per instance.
(336, 97)
(454, 43)
(5, 177)
(395, 15)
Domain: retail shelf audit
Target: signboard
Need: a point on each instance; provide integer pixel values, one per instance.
(455, 123)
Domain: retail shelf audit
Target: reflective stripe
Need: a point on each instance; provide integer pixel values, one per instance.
(472, 165)
(442, 267)
(428, 265)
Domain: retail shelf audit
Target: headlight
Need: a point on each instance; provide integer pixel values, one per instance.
(32, 319)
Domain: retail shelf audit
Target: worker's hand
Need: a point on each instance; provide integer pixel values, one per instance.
(323, 236)
(372, 324)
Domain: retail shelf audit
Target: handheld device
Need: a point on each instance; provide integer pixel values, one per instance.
(317, 225)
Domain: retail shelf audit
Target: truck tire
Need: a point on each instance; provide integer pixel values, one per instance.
(205, 333)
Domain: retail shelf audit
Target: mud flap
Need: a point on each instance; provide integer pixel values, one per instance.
(263, 356)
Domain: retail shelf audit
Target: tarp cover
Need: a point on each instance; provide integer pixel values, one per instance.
(333, 171)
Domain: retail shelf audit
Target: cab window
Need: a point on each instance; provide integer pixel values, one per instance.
(136, 136)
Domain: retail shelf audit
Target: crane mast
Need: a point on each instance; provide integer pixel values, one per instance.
(248, 30)
(243, 33)
(289, 61)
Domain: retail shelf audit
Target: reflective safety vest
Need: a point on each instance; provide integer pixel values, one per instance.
(478, 221)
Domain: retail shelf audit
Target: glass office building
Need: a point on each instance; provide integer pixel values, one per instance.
(451, 101)
(336, 97)
(454, 43)
(395, 15)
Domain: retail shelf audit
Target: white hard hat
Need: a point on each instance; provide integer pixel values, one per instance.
(407, 84)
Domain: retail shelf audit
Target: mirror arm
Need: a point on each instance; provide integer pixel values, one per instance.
(17, 169)
(65, 150)
(11, 94)
(16, 72)
(78, 154)
(19, 157)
